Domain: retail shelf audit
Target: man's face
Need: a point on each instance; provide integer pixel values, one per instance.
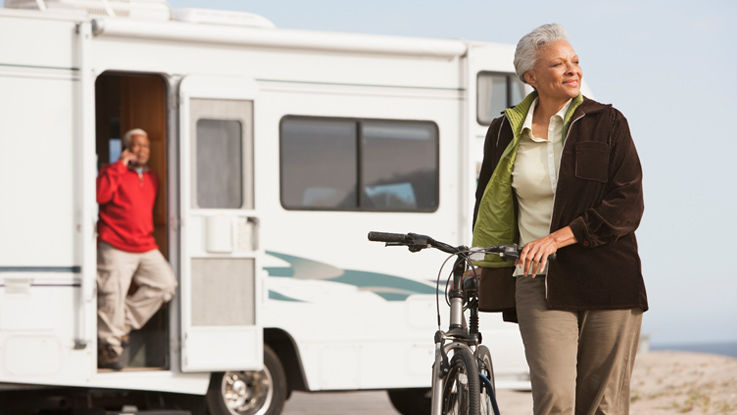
(141, 148)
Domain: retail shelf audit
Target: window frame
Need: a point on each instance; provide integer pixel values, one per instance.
(359, 163)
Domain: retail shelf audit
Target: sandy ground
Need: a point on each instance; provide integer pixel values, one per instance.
(664, 382)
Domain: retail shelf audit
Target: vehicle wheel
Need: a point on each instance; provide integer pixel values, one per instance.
(461, 386)
(411, 401)
(487, 391)
(249, 392)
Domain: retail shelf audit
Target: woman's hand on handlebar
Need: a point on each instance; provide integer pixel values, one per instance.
(534, 256)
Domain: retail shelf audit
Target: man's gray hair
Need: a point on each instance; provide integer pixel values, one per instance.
(527, 47)
(129, 135)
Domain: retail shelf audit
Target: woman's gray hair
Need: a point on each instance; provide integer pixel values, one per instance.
(129, 135)
(527, 47)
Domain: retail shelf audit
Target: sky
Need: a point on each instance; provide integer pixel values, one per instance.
(669, 67)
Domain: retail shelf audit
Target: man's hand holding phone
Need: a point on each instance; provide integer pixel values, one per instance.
(127, 157)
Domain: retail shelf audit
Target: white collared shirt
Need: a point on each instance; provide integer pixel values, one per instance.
(535, 176)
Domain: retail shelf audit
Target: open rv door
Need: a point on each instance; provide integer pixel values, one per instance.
(220, 252)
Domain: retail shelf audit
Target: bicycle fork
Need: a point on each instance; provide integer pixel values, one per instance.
(437, 378)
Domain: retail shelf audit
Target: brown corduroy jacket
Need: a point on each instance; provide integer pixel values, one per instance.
(599, 195)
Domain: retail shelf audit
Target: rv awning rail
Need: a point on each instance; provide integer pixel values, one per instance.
(280, 38)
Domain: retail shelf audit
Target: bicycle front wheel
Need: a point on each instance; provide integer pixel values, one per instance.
(487, 399)
(461, 386)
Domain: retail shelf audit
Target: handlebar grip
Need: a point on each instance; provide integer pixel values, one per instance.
(387, 237)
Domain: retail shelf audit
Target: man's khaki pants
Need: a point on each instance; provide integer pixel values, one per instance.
(118, 313)
(580, 361)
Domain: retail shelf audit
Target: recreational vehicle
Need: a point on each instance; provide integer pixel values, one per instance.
(277, 151)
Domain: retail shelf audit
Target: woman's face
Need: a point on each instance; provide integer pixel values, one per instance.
(556, 73)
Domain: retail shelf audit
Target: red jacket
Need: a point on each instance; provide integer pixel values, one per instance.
(126, 207)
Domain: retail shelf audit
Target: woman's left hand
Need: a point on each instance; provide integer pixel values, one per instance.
(534, 256)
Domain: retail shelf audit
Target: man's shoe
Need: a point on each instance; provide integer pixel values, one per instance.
(107, 358)
(116, 365)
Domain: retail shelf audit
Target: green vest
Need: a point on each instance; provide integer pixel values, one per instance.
(496, 222)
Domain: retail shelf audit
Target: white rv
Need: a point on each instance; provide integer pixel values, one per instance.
(277, 151)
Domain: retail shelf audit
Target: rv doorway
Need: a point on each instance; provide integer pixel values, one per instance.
(125, 101)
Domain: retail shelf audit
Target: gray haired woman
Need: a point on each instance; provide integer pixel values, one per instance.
(561, 175)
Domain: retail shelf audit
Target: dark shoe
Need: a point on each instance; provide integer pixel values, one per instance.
(116, 365)
(107, 358)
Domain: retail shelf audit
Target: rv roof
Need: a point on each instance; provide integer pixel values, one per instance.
(221, 17)
(138, 9)
(282, 38)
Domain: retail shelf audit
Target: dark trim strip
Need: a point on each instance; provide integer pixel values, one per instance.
(287, 81)
(76, 269)
(61, 68)
(74, 285)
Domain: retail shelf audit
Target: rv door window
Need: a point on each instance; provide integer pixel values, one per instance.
(219, 164)
(354, 164)
(495, 92)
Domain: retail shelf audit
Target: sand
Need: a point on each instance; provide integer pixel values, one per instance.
(666, 382)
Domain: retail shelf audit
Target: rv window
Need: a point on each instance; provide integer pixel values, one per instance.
(399, 166)
(219, 164)
(495, 92)
(351, 164)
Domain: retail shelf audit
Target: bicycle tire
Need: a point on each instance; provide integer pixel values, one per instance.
(461, 386)
(487, 398)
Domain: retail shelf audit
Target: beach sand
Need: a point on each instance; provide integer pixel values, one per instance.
(666, 382)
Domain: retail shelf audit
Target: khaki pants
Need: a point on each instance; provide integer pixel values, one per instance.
(580, 362)
(118, 313)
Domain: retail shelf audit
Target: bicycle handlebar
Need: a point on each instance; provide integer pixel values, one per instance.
(387, 237)
(416, 242)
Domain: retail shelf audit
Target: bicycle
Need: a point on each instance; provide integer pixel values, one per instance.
(463, 374)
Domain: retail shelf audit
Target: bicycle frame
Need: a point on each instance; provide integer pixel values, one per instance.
(458, 335)
(465, 339)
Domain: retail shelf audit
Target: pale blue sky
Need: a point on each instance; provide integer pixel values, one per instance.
(669, 66)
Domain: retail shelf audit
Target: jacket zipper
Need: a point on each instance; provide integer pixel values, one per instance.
(550, 227)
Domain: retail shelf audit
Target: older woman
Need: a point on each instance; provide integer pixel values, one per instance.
(561, 175)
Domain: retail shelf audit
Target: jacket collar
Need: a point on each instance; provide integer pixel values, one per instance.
(516, 115)
(589, 106)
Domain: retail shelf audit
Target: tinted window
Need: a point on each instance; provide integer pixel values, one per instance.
(399, 166)
(318, 166)
(350, 164)
(495, 92)
(219, 164)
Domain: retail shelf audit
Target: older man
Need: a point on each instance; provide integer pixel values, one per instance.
(127, 251)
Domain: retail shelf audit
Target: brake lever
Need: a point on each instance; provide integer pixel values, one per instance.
(411, 247)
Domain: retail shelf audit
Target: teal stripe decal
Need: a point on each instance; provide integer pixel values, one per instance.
(273, 295)
(388, 287)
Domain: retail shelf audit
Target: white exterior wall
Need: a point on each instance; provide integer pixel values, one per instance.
(39, 207)
(347, 337)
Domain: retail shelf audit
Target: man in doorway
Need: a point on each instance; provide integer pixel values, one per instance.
(127, 251)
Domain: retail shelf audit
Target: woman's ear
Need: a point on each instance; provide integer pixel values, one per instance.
(530, 79)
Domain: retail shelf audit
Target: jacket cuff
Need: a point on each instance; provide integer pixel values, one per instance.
(578, 226)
